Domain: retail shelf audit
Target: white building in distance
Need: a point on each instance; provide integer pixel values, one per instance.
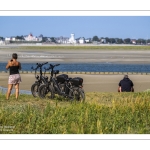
(103, 40)
(82, 40)
(8, 39)
(62, 40)
(30, 37)
(12, 38)
(2, 42)
(72, 39)
(88, 40)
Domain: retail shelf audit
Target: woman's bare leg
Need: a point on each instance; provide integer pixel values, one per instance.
(17, 90)
(9, 91)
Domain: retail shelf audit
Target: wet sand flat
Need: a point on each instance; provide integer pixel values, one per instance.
(78, 56)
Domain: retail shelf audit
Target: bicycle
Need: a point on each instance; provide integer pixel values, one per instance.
(57, 84)
(77, 91)
(39, 79)
(63, 86)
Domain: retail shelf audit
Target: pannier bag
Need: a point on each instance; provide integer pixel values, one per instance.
(62, 78)
(77, 81)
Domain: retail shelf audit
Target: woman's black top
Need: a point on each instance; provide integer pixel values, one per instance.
(14, 70)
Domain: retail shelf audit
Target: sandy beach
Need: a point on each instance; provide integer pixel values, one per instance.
(77, 56)
(92, 83)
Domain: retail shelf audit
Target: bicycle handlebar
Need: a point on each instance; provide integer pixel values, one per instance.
(52, 66)
(38, 65)
(57, 64)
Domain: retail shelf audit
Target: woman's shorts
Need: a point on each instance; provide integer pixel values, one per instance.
(14, 79)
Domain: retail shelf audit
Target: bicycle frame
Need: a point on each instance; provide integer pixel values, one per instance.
(53, 80)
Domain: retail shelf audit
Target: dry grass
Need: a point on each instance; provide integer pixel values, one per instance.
(79, 47)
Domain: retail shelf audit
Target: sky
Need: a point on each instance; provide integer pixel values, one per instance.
(82, 26)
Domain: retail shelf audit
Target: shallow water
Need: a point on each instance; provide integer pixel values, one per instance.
(4, 90)
(89, 67)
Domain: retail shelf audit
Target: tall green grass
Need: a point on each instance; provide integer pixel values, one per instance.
(102, 113)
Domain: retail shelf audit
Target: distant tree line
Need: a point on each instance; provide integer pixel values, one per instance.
(1, 38)
(120, 40)
(19, 37)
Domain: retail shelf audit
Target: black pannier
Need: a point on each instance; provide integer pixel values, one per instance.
(77, 81)
(62, 78)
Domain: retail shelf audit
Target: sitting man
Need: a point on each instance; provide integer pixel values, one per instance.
(126, 85)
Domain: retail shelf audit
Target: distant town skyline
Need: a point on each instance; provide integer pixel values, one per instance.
(133, 27)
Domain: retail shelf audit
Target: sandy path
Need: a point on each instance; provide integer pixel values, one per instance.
(100, 83)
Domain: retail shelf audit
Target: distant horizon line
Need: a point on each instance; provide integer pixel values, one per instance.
(68, 37)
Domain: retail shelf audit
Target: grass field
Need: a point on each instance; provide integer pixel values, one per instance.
(80, 47)
(101, 113)
(86, 47)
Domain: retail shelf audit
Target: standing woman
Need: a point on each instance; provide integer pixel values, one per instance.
(14, 78)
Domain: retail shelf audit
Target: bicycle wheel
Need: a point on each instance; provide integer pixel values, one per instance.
(77, 94)
(34, 89)
(45, 91)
